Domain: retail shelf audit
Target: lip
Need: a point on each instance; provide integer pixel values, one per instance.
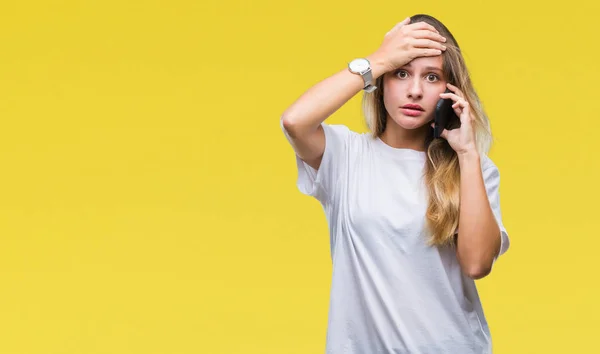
(411, 112)
(413, 106)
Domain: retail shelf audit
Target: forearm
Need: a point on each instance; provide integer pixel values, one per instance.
(326, 97)
(479, 234)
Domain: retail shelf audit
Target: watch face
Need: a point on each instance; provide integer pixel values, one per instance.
(359, 65)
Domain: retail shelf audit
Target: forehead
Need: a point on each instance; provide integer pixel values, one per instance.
(422, 63)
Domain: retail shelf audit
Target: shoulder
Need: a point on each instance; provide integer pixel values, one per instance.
(338, 129)
(342, 129)
(343, 133)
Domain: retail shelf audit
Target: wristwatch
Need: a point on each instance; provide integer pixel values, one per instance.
(362, 67)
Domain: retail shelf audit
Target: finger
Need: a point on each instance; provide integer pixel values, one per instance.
(399, 25)
(457, 108)
(427, 43)
(454, 97)
(465, 117)
(460, 102)
(444, 134)
(427, 34)
(463, 111)
(428, 52)
(455, 89)
(422, 26)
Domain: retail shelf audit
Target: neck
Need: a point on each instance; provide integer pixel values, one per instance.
(400, 138)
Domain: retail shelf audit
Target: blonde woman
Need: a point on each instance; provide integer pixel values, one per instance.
(414, 220)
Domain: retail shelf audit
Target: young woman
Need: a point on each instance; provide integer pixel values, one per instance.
(413, 219)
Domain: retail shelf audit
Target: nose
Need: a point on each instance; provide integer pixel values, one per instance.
(415, 89)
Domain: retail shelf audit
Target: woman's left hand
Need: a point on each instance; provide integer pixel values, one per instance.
(462, 139)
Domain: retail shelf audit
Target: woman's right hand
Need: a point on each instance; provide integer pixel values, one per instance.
(407, 41)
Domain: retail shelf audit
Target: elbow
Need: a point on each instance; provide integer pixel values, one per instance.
(478, 271)
(294, 126)
(289, 124)
(475, 267)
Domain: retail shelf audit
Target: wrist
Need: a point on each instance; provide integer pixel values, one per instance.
(378, 64)
(468, 156)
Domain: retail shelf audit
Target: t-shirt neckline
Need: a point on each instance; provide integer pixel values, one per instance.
(400, 153)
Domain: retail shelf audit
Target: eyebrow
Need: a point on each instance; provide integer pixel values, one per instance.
(427, 68)
(433, 68)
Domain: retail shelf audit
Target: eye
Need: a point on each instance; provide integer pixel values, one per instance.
(432, 78)
(401, 74)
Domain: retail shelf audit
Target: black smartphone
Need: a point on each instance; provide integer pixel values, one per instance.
(445, 117)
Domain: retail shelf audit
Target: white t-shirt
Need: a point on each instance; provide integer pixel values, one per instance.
(390, 292)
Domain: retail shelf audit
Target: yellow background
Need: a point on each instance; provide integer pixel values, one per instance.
(147, 195)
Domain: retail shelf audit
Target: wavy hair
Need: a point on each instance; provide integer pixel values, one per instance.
(442, 170)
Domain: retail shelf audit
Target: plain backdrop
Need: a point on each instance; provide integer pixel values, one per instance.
(148, 200)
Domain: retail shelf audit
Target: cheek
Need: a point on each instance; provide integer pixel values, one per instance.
(433, 98)
(392, 92)
(389, 100)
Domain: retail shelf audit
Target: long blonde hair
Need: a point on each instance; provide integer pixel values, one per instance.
(442, 171)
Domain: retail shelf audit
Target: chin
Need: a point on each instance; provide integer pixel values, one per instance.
(410, 123)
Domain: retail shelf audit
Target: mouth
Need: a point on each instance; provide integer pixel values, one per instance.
(414, 107)
(412, 110)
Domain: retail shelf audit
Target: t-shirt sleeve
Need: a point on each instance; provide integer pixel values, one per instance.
(491, 178)
(321, 183)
